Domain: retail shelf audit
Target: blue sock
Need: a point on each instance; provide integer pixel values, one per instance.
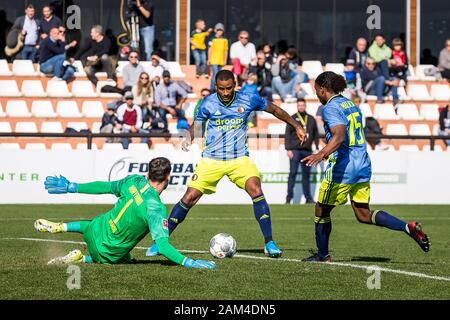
(384, 219)
(88, 259)
(262, 214)
(323, 231)
(179, 212)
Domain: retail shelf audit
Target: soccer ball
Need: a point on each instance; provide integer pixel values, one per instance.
(222, 245)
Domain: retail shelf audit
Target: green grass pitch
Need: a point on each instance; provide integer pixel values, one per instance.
(411, 274)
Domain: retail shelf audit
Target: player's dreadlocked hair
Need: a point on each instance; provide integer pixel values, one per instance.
(158, 169)
(224, 75)
(331, 81)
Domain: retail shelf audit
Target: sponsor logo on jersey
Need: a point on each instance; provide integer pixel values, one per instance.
(217, 113)
(194, 177)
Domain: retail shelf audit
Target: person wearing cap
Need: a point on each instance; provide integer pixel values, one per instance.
(217, 53)
(166, 95)
(110, 122)
(130, 115)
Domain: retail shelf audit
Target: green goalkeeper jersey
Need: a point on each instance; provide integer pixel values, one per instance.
(138, 211)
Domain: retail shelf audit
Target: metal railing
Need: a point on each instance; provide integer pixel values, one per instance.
(91, 136)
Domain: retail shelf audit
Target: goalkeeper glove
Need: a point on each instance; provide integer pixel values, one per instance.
(59, 185)
(198, 264)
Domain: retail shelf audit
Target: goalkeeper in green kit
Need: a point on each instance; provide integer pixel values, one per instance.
(111, 236)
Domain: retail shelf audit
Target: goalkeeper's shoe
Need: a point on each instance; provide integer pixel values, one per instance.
(43, 225)
(152, 251)
(73, 257)
(316, 258)
(271, 250)
(415, 232)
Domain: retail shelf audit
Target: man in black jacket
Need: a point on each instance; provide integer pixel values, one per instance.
(297, 151)
(95, 55)
(264, 74)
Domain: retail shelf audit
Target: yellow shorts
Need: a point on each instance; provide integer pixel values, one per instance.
(209, 172)
(332, 193)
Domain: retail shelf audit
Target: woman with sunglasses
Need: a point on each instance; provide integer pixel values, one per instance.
(142, 92)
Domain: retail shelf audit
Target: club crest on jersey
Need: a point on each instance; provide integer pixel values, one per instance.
(165, 224)
(240, 109)
(194, 177)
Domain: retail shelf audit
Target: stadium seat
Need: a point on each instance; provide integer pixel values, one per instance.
(43, 109)
(5, 127)
(2, 113)
(311, 108)
(189, 108)
(112, 146)
(312, 68)
(440, 92)
(412, 73)
(419, 92)
(419, 129)
(51, 127)
(401, 94)
(276, 128)
(113, 95)
(366, 110)
(17, 108)
(26, 126)
(35, 146)
(77, 125)
(120, 65)
(385, 111)
(83, 89)
(163, 147)
(92, 109)
(420, 72)
(68, 109)
(83, 146)
(310, 94)
(175, 69)
(384, 147)
(408, 147)
(9, 88)
(9, 146)
(138, 146)
(63, 146)
(437, 147)
(58, 89)
(429, 111)
(435, 130)
(191, 95)
(80, 69)
(173, 127)
(337, 68)
(408, 112)
(290, 108)
(4, 68)
(33, 88)
(96, 127)
(24, 68)
(396, 129)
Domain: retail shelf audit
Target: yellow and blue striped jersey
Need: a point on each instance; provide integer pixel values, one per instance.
(226, 124)
(350, 163)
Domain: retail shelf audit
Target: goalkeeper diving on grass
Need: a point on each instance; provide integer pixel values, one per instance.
(111, 236)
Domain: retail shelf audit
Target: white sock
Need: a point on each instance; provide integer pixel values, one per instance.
(407, 228)
(65, 227)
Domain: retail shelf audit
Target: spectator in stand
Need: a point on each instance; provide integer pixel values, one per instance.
(444, 123)
(296, 151)
(381, 53)
(242, 55)
(251, 87)
(49, 21)
(198, 47)
(132, 71)
(286, 80)
(146, 12)
(292, 56)
(30, 27)
(374, 82)
(399, 61)
(169, 97)
(428, 58)
(110, 122)
(359, 54)
(157, 67)
(264, 74)
(217, 53)
(95, 55)
(444, 61)
(203, 94)
(52, 56)
(352, 78)
(130, 116)
(270, 55)
(142, 92)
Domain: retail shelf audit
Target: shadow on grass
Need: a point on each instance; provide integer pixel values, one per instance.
(371, 259)
(159, 262)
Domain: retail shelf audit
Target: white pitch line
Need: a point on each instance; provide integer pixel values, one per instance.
(233, 218)
(340, 264)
